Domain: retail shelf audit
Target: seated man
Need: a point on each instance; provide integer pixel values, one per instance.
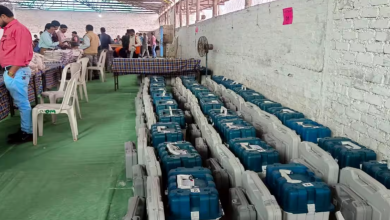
(46, 42)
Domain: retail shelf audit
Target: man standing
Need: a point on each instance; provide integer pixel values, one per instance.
(46, 41)
(56, 25)
(15, 55)
(145, 45)
(142, 40)
(134, 44)
(153, 44)
(105, 39)
(126, 41)
(90, 45)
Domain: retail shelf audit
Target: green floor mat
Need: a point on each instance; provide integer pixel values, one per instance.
(60, 179)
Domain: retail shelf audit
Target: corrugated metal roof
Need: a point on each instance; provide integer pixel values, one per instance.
(129, 6)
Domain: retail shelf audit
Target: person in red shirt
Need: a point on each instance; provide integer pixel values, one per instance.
(15, 55)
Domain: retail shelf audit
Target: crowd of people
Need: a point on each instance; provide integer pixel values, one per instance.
(132, 45)
(136, 45)
(17, 47)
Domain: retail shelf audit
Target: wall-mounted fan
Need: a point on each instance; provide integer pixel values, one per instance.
(203, 48)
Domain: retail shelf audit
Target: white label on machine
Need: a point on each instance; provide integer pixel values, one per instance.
(170, 111)
(194, 215)
(268, 102)
(185, 181)
(264, 168)
(175, 150)
(210, 94)
(307, 184)
(285, 173)
(214, 101)
(195, 190)
(163, 94)
(160, 128)
(350, 145)
(257, 147)
(311, 208)
(250, 147)
(287, 111)
(383, 162)
(223, 111)
(169, 102)
(257, 94)
(308, 126)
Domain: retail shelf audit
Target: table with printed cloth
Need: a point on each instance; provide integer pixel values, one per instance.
(51, 75)
(164, 67)
(35, 88)
(4, 100)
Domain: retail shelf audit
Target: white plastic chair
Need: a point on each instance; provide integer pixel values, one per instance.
(66, 107)
(100, 65)
(54, 95)
(81, 83)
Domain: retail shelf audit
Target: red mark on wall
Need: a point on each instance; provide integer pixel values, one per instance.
(288, 16)
(196, 30)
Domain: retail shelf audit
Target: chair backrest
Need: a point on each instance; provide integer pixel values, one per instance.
(84, 68)
(79, 56)
(71, 88)
(102, 58)
(63, 78)
(75, 68)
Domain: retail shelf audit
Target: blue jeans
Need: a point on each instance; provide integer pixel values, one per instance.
(154, 51)
(18, 88)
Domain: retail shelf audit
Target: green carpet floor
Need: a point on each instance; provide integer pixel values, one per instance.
(64, 180)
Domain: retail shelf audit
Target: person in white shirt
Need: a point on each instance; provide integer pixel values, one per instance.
(134, 44)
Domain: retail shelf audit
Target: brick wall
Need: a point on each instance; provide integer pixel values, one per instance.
(332, 63)
(356, 97)
(115, 23)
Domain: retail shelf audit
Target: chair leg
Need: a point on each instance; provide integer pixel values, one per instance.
(81, 92)
(71, 122)
(78, 106)
(42, 99)
(102, 74)
(35, 126)
(53, 100)
(90, 72)
(40, 124)
(76, 128)
(85, 91)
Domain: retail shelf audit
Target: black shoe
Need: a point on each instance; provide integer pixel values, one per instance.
(15, 135)
(22, 138)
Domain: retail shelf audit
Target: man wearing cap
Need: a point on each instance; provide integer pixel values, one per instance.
(15, 55)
